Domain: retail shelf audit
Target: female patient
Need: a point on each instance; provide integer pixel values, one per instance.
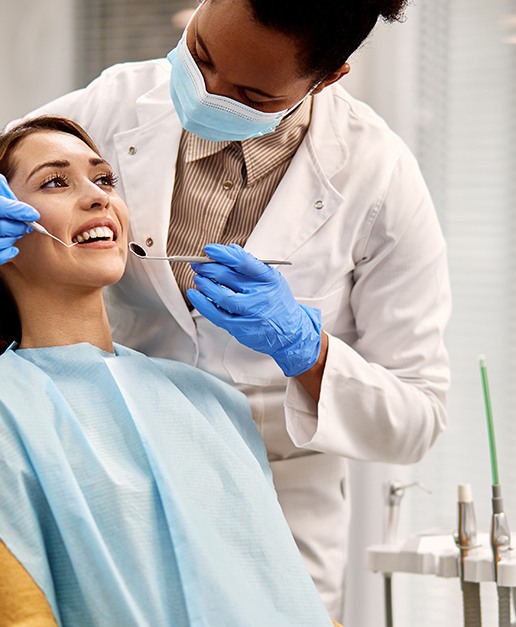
(134, 491)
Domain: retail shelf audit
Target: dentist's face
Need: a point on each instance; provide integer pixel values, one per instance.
(244, 60)
(73, 188)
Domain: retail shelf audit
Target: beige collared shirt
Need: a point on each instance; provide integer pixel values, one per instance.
(222, 188)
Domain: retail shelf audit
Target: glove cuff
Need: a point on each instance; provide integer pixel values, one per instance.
(302, 354)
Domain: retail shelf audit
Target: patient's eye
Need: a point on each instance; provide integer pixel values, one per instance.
(55, 181)
(108, 179)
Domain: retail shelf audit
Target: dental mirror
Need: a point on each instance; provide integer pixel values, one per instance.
(141, 253)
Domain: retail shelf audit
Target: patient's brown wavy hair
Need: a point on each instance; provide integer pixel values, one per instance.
(10, 327)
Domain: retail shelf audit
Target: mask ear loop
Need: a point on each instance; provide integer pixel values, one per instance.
(315, 87)
(298, 104)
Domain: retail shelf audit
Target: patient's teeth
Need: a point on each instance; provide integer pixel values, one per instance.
(95, 232)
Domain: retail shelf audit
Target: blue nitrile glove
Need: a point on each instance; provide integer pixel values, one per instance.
(253, 302)
(13, 215)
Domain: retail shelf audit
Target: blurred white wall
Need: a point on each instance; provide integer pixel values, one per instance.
(383, 73)
(36, 54)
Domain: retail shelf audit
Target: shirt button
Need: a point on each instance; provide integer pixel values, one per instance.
(227, 185)
(319, 204)
(149, 241)
(131, 150)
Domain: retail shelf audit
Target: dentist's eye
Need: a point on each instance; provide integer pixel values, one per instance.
(252, 103)
(199, 61)
(55, 181)
(107, 180)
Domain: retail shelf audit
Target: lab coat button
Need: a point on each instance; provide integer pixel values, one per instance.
(132, 150)
(227, 185)
(149, 241)
(319, 204)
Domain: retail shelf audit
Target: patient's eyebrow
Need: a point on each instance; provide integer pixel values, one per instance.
(94, 161)
(48, 164)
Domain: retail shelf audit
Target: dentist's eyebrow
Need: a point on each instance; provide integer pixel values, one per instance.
(244, 87)
(63, 164)
(204, 47)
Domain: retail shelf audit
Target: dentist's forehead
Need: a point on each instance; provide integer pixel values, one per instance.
(244, 50)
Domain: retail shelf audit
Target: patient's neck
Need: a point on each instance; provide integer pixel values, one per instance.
(50, 319)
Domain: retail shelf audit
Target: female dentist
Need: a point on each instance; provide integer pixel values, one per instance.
(242, 136)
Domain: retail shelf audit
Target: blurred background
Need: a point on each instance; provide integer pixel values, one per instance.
(445, 80)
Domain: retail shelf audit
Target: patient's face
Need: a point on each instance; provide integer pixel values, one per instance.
(74, 191)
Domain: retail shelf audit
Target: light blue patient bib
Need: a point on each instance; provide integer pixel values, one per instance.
(136, 492)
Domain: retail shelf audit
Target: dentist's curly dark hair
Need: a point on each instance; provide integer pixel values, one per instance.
(328, 31)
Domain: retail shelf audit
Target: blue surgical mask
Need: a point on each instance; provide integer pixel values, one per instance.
(210, 116)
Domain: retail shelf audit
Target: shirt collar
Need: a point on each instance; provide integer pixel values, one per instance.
(261, 154)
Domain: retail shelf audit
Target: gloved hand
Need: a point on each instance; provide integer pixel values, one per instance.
(13, 215)
(253, 302)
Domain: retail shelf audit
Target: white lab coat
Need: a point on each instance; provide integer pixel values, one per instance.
(354, 216)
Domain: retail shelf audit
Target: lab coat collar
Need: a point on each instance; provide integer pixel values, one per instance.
(152, 104)
(158, 133)
(305, 198)
(325, 135)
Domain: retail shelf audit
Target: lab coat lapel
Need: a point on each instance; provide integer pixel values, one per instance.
(149, 195)
(305, 199)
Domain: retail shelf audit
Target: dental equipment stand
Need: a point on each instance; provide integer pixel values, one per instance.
(435, 553)
(475, 560)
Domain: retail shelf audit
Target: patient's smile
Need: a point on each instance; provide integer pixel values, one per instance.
(95, 234)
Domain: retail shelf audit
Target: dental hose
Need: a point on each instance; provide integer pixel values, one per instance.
(471, 604)
(504, 606)
(466, 540)
(500, 543)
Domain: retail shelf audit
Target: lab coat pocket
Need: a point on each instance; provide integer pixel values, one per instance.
(248, 367)
(335, 307)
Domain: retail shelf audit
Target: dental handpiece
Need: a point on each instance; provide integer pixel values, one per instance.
(500, 532)
(466, 538)
(41, 229)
